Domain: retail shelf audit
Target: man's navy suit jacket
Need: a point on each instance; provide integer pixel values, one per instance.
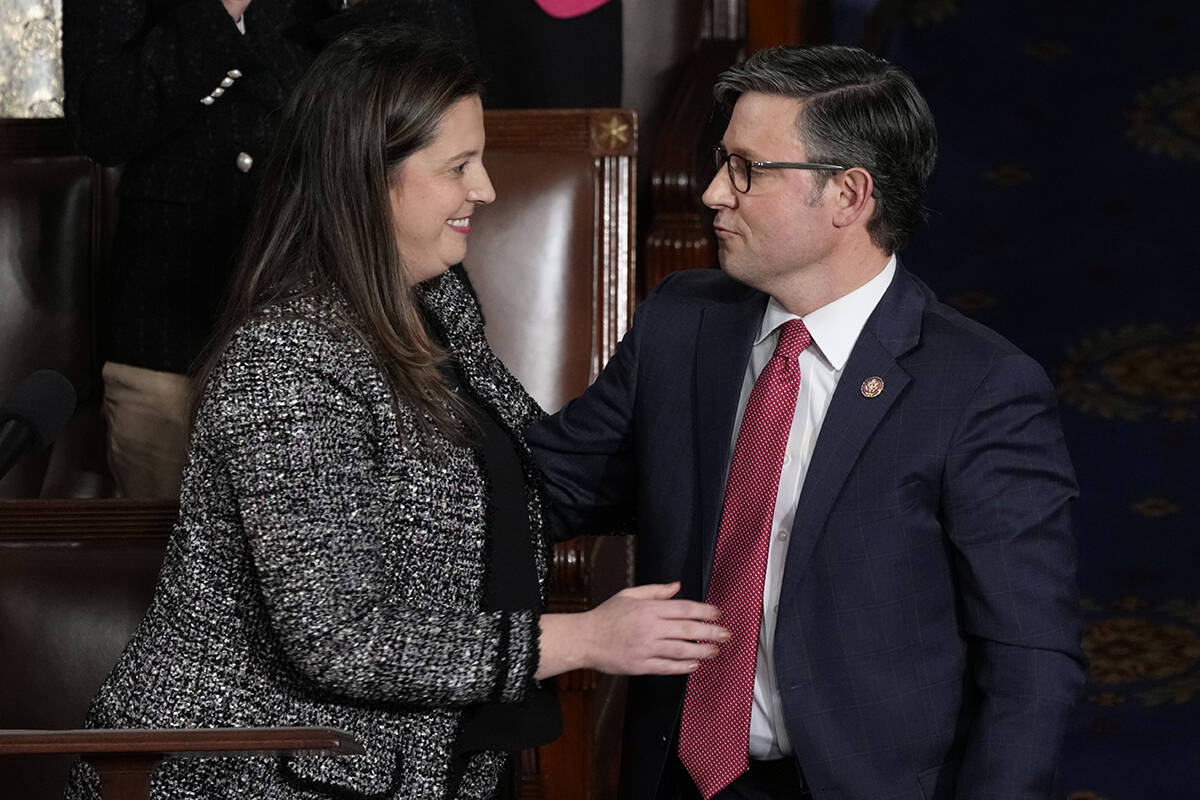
(927, 641)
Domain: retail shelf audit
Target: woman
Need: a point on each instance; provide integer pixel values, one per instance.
(361, 541)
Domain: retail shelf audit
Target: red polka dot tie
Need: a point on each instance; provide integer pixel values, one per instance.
(715, 730)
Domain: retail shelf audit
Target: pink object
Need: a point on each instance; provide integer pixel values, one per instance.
(565, 9)
(715, 730)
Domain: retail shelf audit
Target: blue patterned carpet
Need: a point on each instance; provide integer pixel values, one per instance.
(1064, 215)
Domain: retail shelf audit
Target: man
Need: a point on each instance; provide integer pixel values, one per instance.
(872, 488)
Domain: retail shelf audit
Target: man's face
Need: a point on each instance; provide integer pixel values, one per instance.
(783, 226)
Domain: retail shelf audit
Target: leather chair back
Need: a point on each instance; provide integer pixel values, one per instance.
(553, 258)
(53, 207)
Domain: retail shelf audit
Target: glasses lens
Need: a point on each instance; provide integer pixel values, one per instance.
(738, 168)
(739, 172)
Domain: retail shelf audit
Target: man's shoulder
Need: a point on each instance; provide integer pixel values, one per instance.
(945, 328)
(951, 350)
(702, 286)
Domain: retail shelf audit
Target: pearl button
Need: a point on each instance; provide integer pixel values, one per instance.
(783, 536)
(208, 101)
(217, 92)
(227, 82)
(244, 162)
(234, 73)
(787, 459)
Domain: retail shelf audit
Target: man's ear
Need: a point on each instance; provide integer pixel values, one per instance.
(853, 201)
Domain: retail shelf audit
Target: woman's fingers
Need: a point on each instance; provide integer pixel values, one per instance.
(677, 657)
(677, 650)
(667, 608)
(697, 631)
(651, 591)
(663, 666)
(687, 609)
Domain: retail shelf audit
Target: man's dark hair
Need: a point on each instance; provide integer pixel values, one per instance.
(855, 109)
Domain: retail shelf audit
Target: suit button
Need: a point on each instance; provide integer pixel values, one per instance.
(663, 740)
(244, 162)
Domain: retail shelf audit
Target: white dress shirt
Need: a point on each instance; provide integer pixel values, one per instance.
(834, 329)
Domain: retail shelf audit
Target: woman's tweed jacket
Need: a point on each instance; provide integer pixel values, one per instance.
(327, 569)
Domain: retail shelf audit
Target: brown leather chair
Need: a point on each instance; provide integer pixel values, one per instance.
(552, 261)
(53, 223)
(75, 579)
(552, 258)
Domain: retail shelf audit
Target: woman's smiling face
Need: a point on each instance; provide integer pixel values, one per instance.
(435, 191)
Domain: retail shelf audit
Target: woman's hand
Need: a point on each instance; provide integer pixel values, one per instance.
(637, 631)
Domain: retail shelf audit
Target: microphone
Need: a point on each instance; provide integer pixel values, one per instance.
(33, 415)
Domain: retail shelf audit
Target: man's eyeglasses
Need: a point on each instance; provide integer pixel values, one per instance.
(739, 167)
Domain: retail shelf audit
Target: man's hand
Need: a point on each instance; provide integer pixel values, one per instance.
(236, 8)
(638, 631)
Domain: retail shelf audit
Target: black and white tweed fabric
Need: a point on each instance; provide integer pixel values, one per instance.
(327, 569)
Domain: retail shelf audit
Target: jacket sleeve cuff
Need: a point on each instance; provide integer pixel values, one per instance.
(517, 656)
(215, 48)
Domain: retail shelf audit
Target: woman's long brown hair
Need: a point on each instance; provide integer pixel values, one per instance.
(323, 223)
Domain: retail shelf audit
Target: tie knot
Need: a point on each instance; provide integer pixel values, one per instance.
(793, 339)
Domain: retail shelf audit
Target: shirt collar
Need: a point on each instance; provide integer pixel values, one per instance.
(835, 326)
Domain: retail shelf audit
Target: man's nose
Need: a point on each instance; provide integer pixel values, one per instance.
(719, 193)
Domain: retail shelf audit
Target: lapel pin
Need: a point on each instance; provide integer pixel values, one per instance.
(872, 387)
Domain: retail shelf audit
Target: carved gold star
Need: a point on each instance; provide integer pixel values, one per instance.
(613, 134)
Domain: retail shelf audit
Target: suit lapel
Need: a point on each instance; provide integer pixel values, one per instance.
(727, 333)
(892, 330)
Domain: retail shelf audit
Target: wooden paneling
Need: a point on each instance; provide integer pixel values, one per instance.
(775, 22)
